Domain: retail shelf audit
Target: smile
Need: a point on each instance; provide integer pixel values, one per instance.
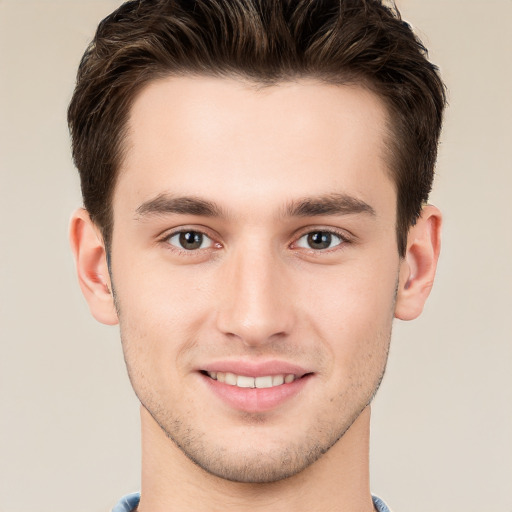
(243, 381)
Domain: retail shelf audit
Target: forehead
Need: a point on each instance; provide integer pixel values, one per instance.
(232, 139)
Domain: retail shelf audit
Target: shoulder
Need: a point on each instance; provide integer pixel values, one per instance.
(130, 501)
(379, 505)
(127, 503)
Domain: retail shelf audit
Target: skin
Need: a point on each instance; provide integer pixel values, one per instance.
(261, 169)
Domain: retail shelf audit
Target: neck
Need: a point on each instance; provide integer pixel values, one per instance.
(339, 480)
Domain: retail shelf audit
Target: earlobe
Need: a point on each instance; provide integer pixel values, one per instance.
(91, 265)
(418, 267)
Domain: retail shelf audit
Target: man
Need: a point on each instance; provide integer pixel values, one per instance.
(255, 177)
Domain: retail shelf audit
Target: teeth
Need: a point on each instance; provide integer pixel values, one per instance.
(277, 380)
(242, 381)
(263, 382)
(231, 379)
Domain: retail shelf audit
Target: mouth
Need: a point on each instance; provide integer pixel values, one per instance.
(261, 382)
(256, 390)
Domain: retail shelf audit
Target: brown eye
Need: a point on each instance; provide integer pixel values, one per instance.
(319, 240)
(190, 240)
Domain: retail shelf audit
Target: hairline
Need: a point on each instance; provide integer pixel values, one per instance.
(347, 78)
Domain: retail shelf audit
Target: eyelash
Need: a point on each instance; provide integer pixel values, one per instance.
(342, 236)
(188, 252)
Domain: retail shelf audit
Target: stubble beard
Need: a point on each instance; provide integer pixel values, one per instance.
(260, 466)
(248, 463)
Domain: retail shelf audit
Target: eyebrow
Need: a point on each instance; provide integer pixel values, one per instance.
(167, 204)
(331, 204)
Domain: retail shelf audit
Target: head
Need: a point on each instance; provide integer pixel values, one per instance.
(256, 173)
(350, 42)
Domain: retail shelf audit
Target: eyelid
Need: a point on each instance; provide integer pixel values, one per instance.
(199, 228)
(332, 235)
(205, 239)
(166, 235)
(343, 235)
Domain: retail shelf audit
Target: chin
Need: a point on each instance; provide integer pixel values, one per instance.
(252, 464)
(257, 468)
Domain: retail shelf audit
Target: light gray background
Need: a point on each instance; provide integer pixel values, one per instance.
(442, 422)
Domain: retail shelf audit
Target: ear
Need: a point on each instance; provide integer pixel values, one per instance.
(91, 266)
(418, 267)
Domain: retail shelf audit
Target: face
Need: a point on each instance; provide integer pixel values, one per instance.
(255, 265)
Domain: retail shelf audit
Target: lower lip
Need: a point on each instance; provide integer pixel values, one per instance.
(256, 399)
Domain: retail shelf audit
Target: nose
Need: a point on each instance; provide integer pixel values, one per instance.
(256, 303)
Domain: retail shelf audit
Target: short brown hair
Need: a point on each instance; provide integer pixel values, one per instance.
(267, 42)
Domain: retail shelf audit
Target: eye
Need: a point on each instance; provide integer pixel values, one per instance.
(190, 240)
(319, 240)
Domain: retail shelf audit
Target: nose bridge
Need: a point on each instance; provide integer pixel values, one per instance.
(255, 306)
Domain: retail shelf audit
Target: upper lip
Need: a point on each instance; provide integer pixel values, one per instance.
(255, 369)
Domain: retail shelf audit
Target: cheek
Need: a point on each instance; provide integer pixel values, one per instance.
(159, 293)
(353, 312)
(356, 294)
(160, 314)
